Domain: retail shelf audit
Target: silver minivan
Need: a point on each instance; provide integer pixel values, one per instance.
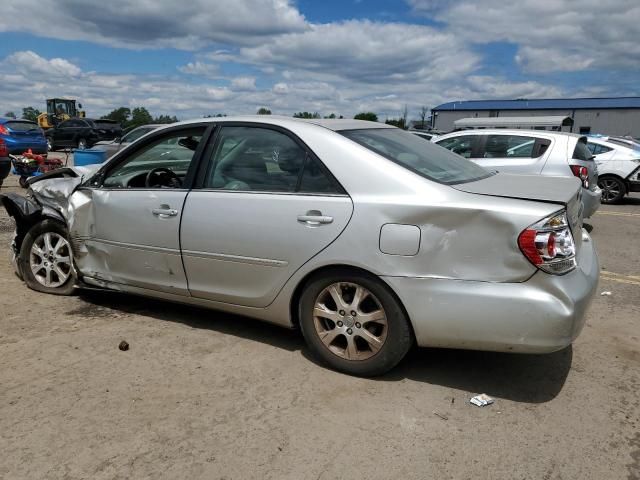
(530, 152)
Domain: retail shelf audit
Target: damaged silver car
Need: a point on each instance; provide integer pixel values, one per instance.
(364, 236)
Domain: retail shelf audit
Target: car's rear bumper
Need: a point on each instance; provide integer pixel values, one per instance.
(544, 314)
(591, 201)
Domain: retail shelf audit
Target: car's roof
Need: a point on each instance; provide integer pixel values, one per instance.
(335, 124)
(511, 131)
(7, 120)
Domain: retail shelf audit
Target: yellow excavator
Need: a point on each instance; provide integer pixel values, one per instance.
(59, 110)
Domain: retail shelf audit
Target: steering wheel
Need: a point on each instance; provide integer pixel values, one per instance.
(162, 177)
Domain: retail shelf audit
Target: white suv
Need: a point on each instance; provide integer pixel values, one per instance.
(530, 152)
(618, 161)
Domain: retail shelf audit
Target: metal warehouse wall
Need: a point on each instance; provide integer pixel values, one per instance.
(619, 121)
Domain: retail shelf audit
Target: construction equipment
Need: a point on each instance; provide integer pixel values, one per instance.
(59, 110)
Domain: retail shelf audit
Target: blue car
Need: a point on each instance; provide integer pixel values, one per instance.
(16, 137)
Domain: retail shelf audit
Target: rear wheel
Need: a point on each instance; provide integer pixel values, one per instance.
(82, 144)
(354, 323)
(46, 259)
(613, 189)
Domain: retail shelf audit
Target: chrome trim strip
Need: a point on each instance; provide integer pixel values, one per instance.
(148, 248)
(266, 262)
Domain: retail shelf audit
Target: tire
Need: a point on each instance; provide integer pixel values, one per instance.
(23, 181)
(338, 339)
(82, 144)
(613, 189)
(50, 146)
(62, 276)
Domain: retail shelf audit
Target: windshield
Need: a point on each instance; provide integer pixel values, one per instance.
(424, 158)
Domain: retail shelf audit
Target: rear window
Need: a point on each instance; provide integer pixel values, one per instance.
(582, 152)
(424, 158)
(22, 126)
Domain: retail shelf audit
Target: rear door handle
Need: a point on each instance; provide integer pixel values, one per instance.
(165, 211)
(314, 217)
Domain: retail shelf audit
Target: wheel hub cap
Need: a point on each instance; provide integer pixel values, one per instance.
(350, 321)
(50, 260)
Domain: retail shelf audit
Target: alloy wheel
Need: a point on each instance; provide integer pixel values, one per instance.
(610, 189)
(50, 260)
(350, 321)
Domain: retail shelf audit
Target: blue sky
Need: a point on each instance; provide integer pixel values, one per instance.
(233, 56)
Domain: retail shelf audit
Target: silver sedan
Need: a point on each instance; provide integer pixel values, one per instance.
(365, 237)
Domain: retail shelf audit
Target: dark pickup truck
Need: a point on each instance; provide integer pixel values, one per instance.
(82, 133)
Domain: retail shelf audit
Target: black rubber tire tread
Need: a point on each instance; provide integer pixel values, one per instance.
(399, 336)
(47, 225)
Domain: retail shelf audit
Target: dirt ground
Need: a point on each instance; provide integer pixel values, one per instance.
(202, 394)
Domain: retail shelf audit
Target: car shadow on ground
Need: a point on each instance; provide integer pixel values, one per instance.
(516, 377)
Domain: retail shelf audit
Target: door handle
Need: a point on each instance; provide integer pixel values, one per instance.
(314, 217)
(165, 211)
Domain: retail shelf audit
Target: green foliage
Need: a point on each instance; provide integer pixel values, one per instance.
(128, 118)
(333, 115)
(10, 115)
(166, 119)
(306, 115)
(264, 111)
(370, 116)
(396, 122)
(120, 115)
(30, 113)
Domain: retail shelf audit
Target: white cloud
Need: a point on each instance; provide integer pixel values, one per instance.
(557, 35)
(29, 63)
(154, 24)
(243, 83)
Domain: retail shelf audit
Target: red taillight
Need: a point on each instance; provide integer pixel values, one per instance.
(549, 244)
(3, 130)
(3, 149)
(582, 173)
(527, 243)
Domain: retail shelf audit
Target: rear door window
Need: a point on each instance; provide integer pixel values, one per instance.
(463, 145)
(510, 146)
(265, 160)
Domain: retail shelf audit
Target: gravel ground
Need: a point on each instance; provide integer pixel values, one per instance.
(201, 394)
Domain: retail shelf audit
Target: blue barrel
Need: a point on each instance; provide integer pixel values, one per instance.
(90, 156)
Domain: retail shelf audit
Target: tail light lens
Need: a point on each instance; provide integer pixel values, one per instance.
(549, 244)
(582, 173)
(3, 130)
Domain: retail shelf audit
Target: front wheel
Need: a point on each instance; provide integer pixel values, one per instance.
(352, 322)
(46, 259)
(613, 189)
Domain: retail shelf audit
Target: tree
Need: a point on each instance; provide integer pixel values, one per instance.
(264, 111)
(333, 115)
(30, 113)
(399, 122)
(10, 115)
(120, 115)
(405, 112)
(306, 115)
(140, 116)
(372, 117)
(165, 119)
(424, 110)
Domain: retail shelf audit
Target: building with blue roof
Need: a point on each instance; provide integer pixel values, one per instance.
(608, 115)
